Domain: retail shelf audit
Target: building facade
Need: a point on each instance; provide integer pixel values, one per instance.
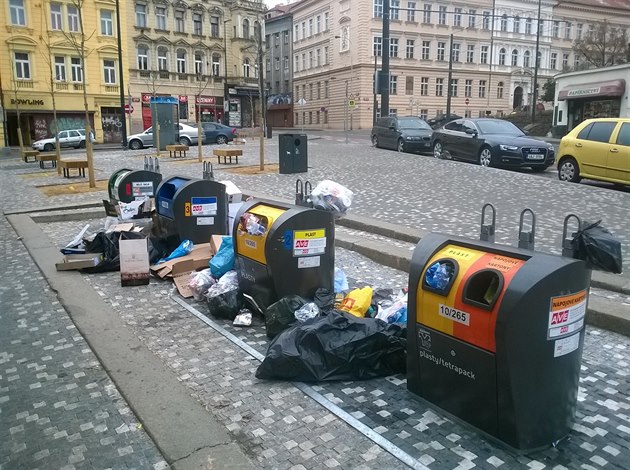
(40, 58)
(203, 53)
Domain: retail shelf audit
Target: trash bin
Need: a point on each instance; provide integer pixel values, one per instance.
(191, 209)
(293, 153)
(283, 250)
(495, 336)
(125, 185)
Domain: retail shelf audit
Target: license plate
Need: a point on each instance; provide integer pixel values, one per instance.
(535, 156)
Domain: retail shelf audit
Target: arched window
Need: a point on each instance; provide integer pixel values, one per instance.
(246, 28)
(216, 65)
(199, 63)
(514, 57)
(504, 22)
(539, 58)
(526, 57)
(502, 56)
(181, 61)
(246, 68)
(162, 59)
(500, 90)
(143, 57)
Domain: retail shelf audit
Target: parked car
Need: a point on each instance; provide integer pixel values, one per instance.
(69, 138)
(597, 149)
(441, 119)
(187, 135)
(492, 142)
(218, 133)
(405, 134)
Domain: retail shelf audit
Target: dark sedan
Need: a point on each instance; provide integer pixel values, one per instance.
(218, 133)
(405, 134)
(491, 142)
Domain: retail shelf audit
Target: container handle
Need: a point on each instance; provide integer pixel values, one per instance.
(208, 173)
(487, 230)
(299, 192)
(147, 166)
(156, 164)
(568, 249)
(526, 240)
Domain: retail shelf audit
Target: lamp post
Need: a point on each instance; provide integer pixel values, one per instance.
(346, 104)
(535, 90)
(226, 95)
(122, 83)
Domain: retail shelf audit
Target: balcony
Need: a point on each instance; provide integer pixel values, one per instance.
(182, 77)
(24, 84)
(111, 88)
(61, 86)
(164, 74)
(77, 86)
(144, 74)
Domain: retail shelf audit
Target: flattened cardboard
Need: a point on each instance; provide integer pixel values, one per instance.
(79, 261)
(181, 282)
(198, 258)
(134, 262)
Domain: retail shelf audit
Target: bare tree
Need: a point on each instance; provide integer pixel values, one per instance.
(52, 89)
(14, 90)
(604, 46)
(202, 82)
(78, 42)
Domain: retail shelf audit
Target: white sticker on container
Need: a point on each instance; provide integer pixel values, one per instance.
(564, 312)
(454, 314)
(309, 262)
(205, 220)
(566, 345)
(566, 329)
(309, 246)
(142, 188)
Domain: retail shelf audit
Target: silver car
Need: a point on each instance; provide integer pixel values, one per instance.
(187, 136)
(70, 138)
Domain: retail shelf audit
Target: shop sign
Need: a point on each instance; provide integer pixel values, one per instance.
(183, 98)
(27, 102)
(205, 100)
(584, 92)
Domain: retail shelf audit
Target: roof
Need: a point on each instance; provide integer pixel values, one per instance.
(619, 4)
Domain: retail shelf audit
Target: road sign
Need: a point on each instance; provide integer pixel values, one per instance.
(352, 104)
(467, 101)
(128, 108)
(301, 102)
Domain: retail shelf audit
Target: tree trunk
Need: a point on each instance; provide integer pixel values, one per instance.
(199, 129)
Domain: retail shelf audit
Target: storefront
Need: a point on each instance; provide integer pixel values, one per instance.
(590, 94)
(243, 106)
(280, 110)
(210, 108)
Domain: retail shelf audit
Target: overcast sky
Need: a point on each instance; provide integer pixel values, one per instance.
(273, 3)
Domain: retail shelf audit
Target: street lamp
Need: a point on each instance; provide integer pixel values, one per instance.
(345, 110)
(226, 95)
(536, 64)
(121, 80)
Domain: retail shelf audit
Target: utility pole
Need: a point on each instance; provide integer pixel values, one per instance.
(226, 94)
(536, 61)
(385, 62)
(375, 103)
(123, 118)
(449, 80)
(261, 92)
(345, 118)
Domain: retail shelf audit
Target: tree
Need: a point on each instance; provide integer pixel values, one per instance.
(604, 46)
(549, 90)
(202, 82)
(17, 101)
(151, 81)
(47, 54)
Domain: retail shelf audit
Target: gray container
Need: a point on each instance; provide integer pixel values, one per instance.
(164, 112)
(293, 153)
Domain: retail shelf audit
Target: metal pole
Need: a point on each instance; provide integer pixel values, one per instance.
(535, 91)
(122, 82)
(226, 95)
(375, 103)
(385, 62)
(345, 118)
(450, 78)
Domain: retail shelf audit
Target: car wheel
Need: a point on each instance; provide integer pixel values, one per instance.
(221, 139)
(82, 144)
(48, 147)
(401, 145)
(135, 145)
(568, 170)
(485, 157)
(375, 141)
(184, 141)
(437, 149)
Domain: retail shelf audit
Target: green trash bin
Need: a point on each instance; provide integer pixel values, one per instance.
(293, 153)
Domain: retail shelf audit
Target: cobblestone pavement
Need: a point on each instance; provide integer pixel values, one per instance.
(58, 407)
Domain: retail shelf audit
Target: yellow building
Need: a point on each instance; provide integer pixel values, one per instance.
(40, 57)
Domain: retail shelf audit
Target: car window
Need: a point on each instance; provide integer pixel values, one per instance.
(73, 133)
(63, 134)
(496, 126)
(601, 131)
(583, 135)
(81, 131)
(468, 125)
(412, 123)
(453, 126)
(149, 130)
(623, 138)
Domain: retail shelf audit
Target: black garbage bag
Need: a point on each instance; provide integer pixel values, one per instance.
(108, 244)
(337, 346)
(598, 247)
(281, 314)
(325, 300)
(224, 298)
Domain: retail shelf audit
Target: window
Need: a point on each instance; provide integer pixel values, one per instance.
(393, 47)
(502, 56)
(439, 87)
(319, 90)
(553, 62)
(516, 26)
(486, 20)
(141, 15)
(457, 17)
(179, 21)
(310, 60)
(198, 63)
(60, 68)
(286, 61)
(555, 30)
(107, 22)
(468, 88)
(246, 68)
(326, 89)
(526, 59)
(514, 57)
(160, 18)
(482, 88)
(318, 24)
(181, 61)
(424, 86)
(565, 61)
(472, 17)
(143, 57)
(296, 34)
(310, 27)
(409, 49)
(426, 13)
(326, 21)
(216, 65)
(55, 17)
(378, 8)
(286, 37)
(454, 83)
(325, 55)
(441, 48)
(504, 22)
(409, 85)
(394, 11)
(424, 114)
(318, 53)
(377, 47)
(600, 131)
(268, 62)
(310, 91)
(411, 13)
(277, 63)
(162, 59)
(470, 54)
(623, 138)
(303, 29)
(393, 85)
(455, 52)
(579, 30)
(76, 69)
(442, 15)
(484, 55)
(73, 19)
(567, 30)
(22, 66)
(197, 24)
(246, 29)
(528, 26)
(500, 90)
(109, 72)
(18, 13)
(426, 50)
(276, 40)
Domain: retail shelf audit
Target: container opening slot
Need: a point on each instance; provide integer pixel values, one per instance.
(168, 191)
(483, 289)
(439, 277)
(253, 224)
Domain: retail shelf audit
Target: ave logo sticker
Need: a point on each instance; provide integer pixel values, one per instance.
(566, 314)
(559, 317)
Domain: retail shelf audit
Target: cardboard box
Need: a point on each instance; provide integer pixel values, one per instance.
(134, 262)
(79, 261)
(232, 193)
(198, 258)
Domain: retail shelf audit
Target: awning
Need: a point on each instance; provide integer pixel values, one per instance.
(593, 90)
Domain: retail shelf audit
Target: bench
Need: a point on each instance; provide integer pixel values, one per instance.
(67, 165)
(173, 149)
(227, 153)
(26, 154)
(46, 157)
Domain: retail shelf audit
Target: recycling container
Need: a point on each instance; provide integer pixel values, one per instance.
(126, 185)
(495, 336)
(191, 209)
(293, 153)
(283, 250)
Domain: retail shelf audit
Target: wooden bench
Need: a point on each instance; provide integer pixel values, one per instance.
(67, 165)
(173, 149)
(46, 157)
(227, 153)
(26, 154)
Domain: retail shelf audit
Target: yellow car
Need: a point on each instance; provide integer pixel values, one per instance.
(597, 149)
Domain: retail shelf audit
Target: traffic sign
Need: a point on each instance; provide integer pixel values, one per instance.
(128, 108)
(352, 104)
(301, 102)
(467, 101)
